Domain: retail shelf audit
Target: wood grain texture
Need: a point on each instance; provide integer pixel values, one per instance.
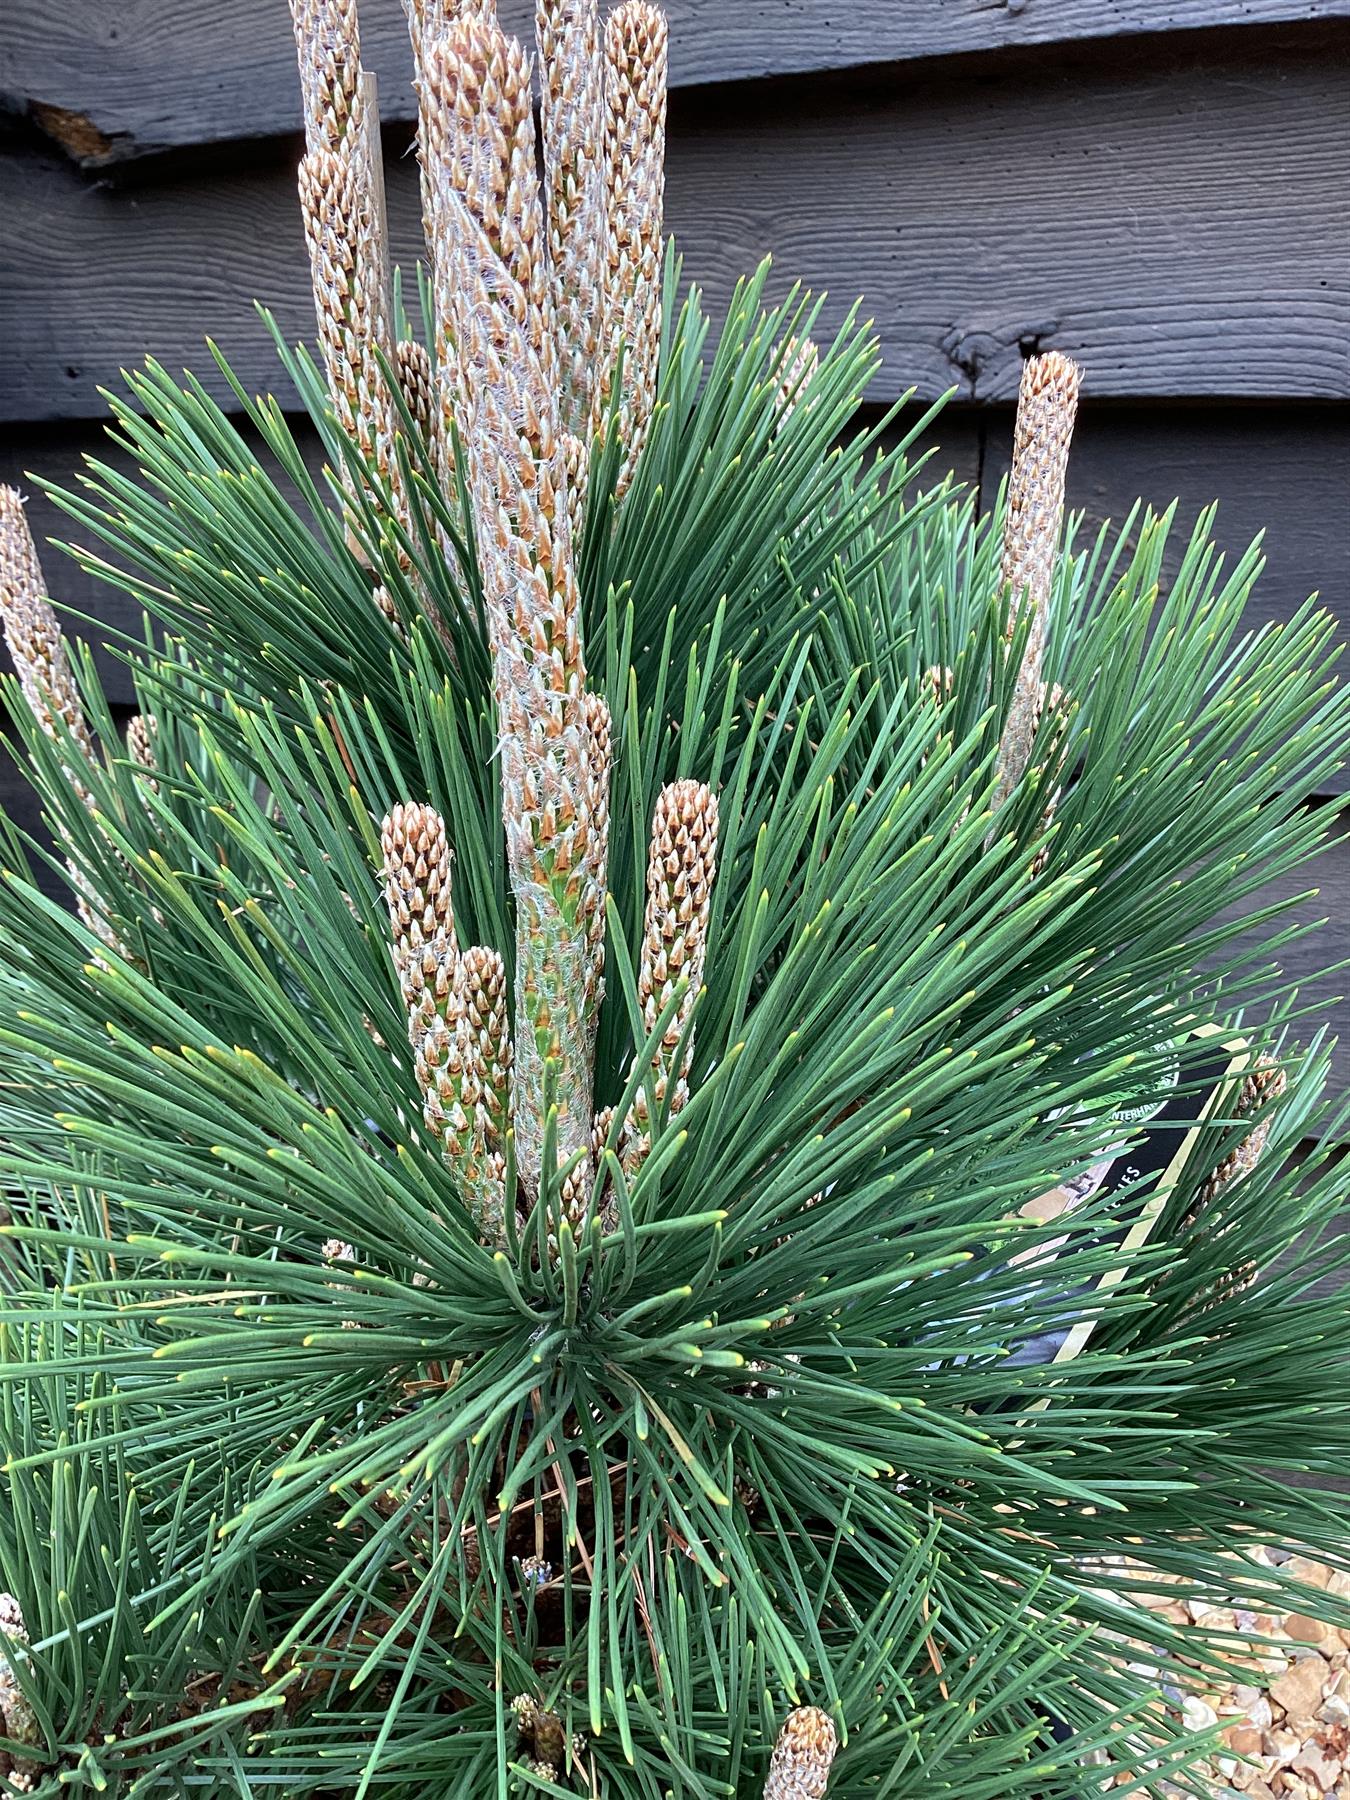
(1284, 473)
(1285, 467)
(131, 78)
(1173, 229)
(1284, 470)
(1322, 892)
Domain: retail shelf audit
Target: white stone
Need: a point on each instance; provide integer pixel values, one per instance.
(1198, 1714)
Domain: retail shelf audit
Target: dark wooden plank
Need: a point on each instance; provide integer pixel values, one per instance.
(1174, 230)
(1326, 883)
(1285, 472)
(36, 453)
(1282, 472)
(954, 444)
(137, 77)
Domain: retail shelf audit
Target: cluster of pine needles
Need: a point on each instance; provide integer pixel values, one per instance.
(529, 1067)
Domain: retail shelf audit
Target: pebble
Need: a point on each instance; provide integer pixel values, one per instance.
(1244, 1740)
(1282, 1746)
(1299, 1690)
(1305, 1631)
(1286, 1720)
(1198, 1714)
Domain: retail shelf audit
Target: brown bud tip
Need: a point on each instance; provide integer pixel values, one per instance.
(525, 1710)
(476, 69)
(328, 45)
(11, 1619)
(416, 381)
(1047, 405)
(417, 893)
(802, 1757)
(141, 729)
(18, 558)
(37, 645)
(414, 843)
(1267, 1081)
(640, 25)
(484, 1032)
(1052, 370)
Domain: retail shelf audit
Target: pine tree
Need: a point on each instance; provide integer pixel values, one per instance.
(534, 1068)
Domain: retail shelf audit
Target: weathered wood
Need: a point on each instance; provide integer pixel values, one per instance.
(1278, 472)
(1173, 230)
(1281, 470)
(1326, 882)
(136, 77)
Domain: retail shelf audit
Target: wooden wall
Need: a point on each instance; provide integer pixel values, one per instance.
(1160, 187)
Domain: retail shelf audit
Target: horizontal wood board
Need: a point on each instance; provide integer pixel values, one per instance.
(1284, 473)
(134, 78)
(1282, 470)
(1285, 467)
(1174, 229)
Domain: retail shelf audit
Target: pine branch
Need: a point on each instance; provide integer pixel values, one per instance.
(341, 204)
(573, 122)
(1047, 405)
(456, 1007)
(635, 148)
(682, 862)
(490, 279)
(333, 1433)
